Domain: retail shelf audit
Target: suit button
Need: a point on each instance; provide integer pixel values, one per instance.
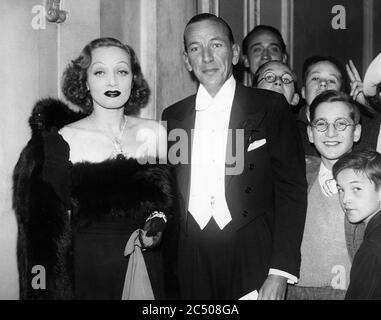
(251, 166)
(248, 189)
(245, 213)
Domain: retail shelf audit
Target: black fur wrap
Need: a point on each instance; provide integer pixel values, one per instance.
(47, 187)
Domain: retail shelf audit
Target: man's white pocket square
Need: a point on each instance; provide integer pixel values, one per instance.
(256, 144)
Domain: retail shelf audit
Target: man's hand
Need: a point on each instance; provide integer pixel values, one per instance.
(274, 288)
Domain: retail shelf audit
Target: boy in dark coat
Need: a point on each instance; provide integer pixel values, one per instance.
(358, 177)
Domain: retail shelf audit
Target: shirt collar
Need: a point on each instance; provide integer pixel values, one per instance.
(204, 100)
(323, 171)
(326, 177)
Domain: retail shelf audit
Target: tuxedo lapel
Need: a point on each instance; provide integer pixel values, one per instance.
(237, 117)
(186, 123)
(244, 116)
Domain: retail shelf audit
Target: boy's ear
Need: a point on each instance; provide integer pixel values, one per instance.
(357, 133)
(310, 135)
(245, 60)
(303, 92)
(308, 113)
(284, 58)
(295, 99)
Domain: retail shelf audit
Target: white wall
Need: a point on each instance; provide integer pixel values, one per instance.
(31, 65)
(18, 89)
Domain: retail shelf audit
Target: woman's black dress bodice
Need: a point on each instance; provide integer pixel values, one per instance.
(106, 213)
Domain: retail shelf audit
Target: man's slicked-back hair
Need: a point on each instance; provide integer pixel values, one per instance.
(367, 162)
(209, 16)
(263, 28)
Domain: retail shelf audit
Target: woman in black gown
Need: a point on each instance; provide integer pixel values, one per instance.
(89, 182)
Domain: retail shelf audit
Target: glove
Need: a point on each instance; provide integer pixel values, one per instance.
(153, 229)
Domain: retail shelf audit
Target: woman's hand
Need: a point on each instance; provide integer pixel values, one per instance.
(153, 229)
(149, 242)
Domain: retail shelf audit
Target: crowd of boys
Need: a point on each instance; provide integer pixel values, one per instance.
(340, 253)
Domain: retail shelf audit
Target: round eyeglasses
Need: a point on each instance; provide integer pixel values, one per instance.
(339, 124)
(271, 77)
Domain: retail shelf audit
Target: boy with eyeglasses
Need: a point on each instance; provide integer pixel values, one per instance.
(329, 240)
(277, 76)
(319, 74)
(322, 73)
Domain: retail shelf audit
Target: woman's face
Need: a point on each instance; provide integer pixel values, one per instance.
(109, 77)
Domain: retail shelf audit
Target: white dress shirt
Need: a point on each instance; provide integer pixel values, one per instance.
(207, 187)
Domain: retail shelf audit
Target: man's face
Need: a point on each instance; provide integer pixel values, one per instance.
(333, 143)
(358, 195)
(262, 47)
(320, 77)
(209, 54)
(280, 71)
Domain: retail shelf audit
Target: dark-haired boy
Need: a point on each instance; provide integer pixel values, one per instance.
(358, 177)
(319, 74)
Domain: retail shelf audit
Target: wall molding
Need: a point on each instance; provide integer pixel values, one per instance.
(251, 18)
(287, 27)
(208, 6)
(367, 45)
(148, 53)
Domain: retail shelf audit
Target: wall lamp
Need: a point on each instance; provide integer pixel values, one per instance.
(54, 12)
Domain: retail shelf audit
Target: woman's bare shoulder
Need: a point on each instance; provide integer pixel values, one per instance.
(75, 129)
(142, 123)
(82, 124)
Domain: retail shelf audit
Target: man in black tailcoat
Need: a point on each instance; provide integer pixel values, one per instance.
(243, 187)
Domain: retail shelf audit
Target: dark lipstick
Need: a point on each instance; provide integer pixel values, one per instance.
(112, 94)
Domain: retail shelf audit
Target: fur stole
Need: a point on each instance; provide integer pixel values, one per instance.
(41, 204)
(121, 187)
